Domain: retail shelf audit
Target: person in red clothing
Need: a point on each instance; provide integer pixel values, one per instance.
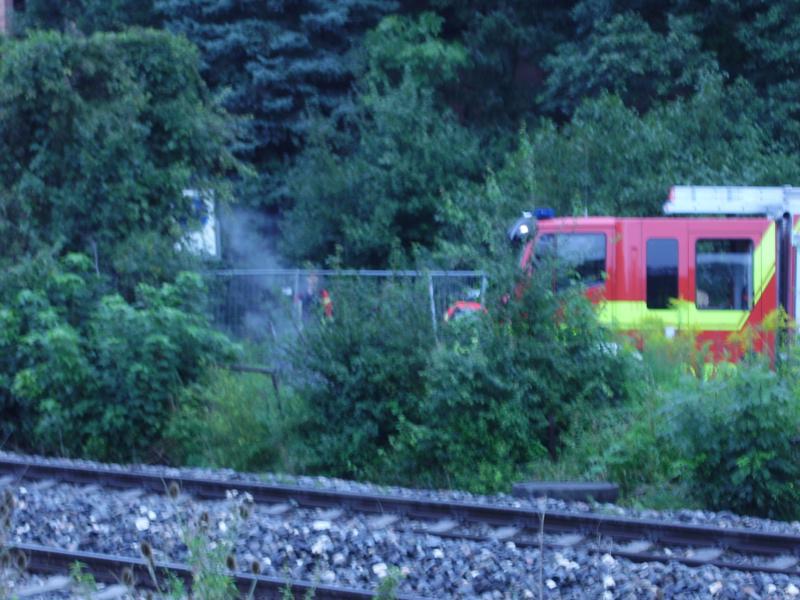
(327, 303)
(313, 296)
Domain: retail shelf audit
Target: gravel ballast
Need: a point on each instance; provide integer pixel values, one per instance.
(356, 550)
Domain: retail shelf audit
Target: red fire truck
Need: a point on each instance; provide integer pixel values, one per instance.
(720, 268)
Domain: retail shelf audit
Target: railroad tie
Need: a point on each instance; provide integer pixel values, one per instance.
(45, 484)
(382, 522)
(567, 540)
(129, 495)
(6, 480)
(637, 546)
(704, 554)
(331, 514)
(441, 527)
(278, 509)
(54, 584)
(502, 534)
(111, 593)
(782, 562)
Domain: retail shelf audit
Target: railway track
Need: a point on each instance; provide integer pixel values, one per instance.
(638, 540)
(112, 569)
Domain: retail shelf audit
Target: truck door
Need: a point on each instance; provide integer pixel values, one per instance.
(665, 275)
(732, 278)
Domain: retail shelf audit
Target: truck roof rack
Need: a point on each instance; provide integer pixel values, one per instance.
(732, 200)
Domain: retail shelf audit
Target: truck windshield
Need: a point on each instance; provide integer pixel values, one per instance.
(578, 256)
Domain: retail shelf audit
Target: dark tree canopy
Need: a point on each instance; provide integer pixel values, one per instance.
(275, 61)
(86, 16)
(361, 118)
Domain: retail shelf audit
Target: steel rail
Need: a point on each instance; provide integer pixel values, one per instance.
(641, 556)
(589, 524)
(108, 568)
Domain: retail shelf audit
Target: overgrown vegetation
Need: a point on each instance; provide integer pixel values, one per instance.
(237, 420)
(473, 409)
(85, 372)
(383, 134)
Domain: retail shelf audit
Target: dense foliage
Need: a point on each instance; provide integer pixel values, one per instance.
(86, 16)
(275, 61)
(101, 330)
(501, 388)
(738, 437)
(85, 373)
(100, 136)
(473, 410)
(371, 194)
(361, 372)
(383, 134)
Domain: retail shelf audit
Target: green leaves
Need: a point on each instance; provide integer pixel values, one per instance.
(275, 62)
(100, 136)
(91, 374)
(624, 56)
(375, 190)
(400, 46)
(738, 436)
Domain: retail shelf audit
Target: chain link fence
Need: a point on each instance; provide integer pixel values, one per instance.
(258, 304)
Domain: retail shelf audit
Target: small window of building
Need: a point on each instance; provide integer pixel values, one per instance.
(662, 272)
(724, 274)
(580, 256)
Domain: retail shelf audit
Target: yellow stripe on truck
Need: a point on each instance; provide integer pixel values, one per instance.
(627, 314)
(764, 263)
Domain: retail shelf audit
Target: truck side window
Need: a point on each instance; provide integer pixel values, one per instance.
(724, 274)
(662, 272)
(582, 256)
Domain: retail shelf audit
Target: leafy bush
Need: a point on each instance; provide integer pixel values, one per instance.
(387, 402)
(500, 390)
(738, 438)
(362, 375)
(236, 420)
(100, 137)
(87, 373)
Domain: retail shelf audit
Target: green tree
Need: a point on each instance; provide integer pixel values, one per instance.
(275, 61)
(86, 16)
(506, 42)
(611, 160)
(623, 55)
(737, 439)
(370, 193)
(99, 137)
(361, 372)
(501, 387)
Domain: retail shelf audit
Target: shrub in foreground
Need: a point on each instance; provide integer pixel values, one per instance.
(236, 420)
(391, 402)
(361, 375)
(500, 390)
(85, 373)
(738, 438)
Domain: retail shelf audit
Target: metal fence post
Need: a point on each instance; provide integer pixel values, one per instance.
(298, 305)
(484, 283)
(433, 307)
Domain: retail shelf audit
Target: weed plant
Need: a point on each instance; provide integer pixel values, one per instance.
(237, 420)
(737, 436)
(7, 565)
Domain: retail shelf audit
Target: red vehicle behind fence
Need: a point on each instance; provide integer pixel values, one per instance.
(712, 275)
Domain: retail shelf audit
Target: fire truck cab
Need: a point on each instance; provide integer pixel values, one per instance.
(721, 268)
